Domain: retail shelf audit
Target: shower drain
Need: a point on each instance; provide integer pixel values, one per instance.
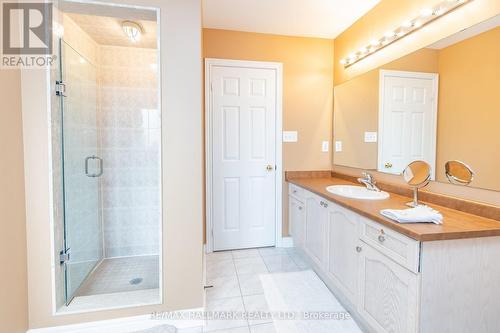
(135, 281)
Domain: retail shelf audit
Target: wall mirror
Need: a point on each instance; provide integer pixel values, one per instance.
(437, 104)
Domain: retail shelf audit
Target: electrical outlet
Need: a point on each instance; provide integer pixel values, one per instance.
(370, 136)
(325, 146)
(338, 146)
(290, 136)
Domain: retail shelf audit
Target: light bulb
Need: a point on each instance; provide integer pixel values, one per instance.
(343, 61)
(389, 34)
(375, 42)
(417, 24)
(426, 12)
(439, 11)
(406, 24)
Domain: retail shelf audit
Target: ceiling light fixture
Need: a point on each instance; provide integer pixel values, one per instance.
(132, 30)
(389, 34)
(426, 12)
(407, 24)
(427, 15)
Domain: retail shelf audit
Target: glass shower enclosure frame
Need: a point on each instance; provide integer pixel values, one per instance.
(81, 168)
(84, 163)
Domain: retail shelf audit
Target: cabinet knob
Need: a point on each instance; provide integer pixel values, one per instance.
(269, 167)
(300, 207)
(381, 238)
(359, 249)
(388, 165)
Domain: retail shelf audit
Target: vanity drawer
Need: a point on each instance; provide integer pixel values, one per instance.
(396, 246)
(296, 191)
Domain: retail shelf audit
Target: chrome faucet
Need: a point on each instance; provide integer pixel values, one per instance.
(369, 182)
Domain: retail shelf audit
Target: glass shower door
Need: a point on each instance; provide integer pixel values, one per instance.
(82, 168)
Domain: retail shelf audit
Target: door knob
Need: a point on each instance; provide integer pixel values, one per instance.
(388, 165)
(269, 167)
(359, 249)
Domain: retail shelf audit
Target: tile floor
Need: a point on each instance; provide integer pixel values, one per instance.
(234, 276)
(114, 275)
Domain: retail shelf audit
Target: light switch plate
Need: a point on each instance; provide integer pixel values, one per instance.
(325, 146)
(370, 136)
(338, 146)
(290, 136)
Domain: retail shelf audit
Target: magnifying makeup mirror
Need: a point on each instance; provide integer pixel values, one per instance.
(459, 173)
(417, 174)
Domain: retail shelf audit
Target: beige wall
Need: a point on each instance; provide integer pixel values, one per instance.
(182, 176)
(356, 109)
(388, 14)
(13, 280)
(469, 107)
(307, 89)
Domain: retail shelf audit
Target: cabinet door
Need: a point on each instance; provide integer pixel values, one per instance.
(297, 222)
(388, 293)
(316, 216)
(343, 242)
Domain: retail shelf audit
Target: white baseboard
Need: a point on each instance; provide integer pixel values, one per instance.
(286, 242)
(123, 325)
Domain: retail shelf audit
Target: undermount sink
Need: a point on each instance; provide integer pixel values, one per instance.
(357, 192)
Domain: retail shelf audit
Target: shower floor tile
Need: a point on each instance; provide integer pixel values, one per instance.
(115, 275)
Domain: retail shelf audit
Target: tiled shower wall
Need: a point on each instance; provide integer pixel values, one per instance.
(129, 124)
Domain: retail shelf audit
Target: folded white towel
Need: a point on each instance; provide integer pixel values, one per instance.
(420, 214)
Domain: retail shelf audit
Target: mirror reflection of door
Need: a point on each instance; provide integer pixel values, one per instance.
(407, 119)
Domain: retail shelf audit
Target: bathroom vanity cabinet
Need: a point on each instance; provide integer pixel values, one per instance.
(391, 282)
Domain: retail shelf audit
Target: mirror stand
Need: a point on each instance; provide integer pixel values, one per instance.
(417, 174)
(414, 203)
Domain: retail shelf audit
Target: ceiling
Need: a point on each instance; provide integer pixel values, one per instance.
(105, 30)
(306, 18)
(477, 29)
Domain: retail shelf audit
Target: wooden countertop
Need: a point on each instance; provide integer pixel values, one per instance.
(456, 224)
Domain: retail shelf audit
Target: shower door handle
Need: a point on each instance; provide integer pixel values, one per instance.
(93, 175)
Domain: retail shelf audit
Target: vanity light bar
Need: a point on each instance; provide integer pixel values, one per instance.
(426, 16)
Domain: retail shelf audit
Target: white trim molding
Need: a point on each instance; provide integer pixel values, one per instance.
(278, 67)
(286, 242)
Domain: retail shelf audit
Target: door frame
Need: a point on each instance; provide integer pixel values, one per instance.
(434, 77)
(278, 68)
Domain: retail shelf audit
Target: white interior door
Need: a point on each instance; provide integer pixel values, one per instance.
(407, 117)
(243, 157)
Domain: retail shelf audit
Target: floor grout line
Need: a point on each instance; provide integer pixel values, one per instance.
(241, 292)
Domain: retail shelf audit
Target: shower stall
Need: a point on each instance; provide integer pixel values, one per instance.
(106, 143)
